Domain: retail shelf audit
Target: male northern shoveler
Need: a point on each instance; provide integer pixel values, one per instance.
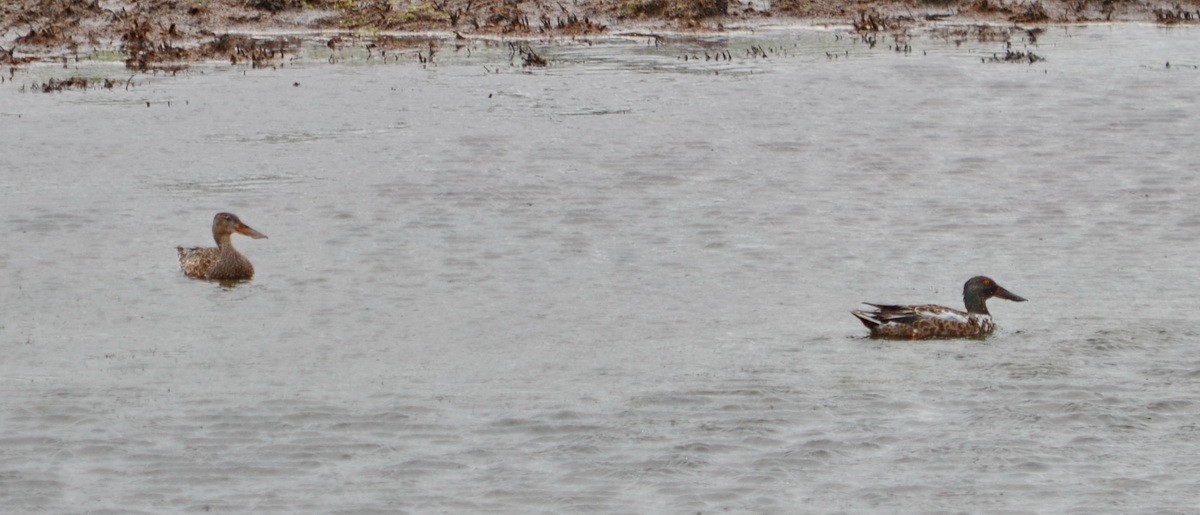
(931, 321)
(222, 263)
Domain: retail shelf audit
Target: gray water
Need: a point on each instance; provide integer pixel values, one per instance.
(620, 283)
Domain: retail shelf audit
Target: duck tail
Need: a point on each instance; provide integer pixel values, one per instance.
(868, 319)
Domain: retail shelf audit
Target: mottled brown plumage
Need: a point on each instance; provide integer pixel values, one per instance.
(223, 262)
(932, 321)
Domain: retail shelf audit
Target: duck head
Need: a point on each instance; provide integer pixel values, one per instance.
(225, 224)
(979, 289)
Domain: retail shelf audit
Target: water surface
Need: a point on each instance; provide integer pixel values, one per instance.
(620, 283)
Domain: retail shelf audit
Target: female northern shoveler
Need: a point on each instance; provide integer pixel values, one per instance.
(931, 321)
(223, 263)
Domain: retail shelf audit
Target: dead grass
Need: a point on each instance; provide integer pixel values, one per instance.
(155, 33)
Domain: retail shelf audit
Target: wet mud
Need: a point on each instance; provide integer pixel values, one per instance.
(158, 35)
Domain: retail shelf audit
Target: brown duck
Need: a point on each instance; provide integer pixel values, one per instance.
(223, 262)
(931, 321)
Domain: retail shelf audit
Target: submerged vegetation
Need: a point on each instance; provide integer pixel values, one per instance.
(1015, 56)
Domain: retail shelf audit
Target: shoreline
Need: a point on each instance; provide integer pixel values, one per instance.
(155, 36)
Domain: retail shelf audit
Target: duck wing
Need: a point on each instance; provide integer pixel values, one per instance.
(890, 313)
(921, 322)
(196, 262)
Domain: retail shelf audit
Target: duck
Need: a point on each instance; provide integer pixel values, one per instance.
(931, 321)
(223, 262)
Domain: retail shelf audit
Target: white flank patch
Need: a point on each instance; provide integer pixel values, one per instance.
(945, 314)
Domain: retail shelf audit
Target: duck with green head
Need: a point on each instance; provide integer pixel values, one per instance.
(223, 262)
(932, 321)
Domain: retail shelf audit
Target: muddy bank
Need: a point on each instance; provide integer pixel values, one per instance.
(161, 34)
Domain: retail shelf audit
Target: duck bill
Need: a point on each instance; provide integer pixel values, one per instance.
(1005, 294)
(245, 229)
